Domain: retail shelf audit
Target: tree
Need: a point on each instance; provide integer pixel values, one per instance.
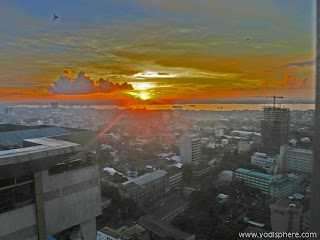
(118, 178)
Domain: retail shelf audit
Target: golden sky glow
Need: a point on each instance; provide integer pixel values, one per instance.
(156, 52)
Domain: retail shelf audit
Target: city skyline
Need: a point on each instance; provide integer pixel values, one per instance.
(155, 52)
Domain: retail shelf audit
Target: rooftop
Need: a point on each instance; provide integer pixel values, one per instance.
(246, 132)
(135, 229)
(254, 173)
(282, 182)
(169, 207)
(161, 228)
(299, 150)
(15, 138)
(148, 177)
(286, 202)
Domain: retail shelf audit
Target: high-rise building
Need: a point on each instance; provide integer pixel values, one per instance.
(190, 148)
(274, 129)
(49, 182)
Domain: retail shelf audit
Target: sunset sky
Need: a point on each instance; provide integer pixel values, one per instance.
(156, 51)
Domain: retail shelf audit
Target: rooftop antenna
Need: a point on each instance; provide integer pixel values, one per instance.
(274, 99)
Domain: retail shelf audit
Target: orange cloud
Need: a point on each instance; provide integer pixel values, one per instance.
(290, 80)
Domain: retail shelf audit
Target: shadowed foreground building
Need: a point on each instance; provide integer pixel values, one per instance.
(49, 182)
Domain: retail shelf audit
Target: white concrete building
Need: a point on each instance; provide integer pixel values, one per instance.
(190, 148)
(244, 145)
(260, 159)
(296, 159)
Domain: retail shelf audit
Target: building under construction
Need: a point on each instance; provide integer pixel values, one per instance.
(274, 129)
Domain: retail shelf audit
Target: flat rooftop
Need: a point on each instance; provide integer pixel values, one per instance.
(161, 228)
(146, 178)
(286, 202)
(12, 136)
(170, 207)
(254, 173)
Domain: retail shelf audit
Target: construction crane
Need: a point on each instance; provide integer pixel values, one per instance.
(274, 99)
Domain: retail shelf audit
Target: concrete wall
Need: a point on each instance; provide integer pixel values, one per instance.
(17, 223)
(71, 198)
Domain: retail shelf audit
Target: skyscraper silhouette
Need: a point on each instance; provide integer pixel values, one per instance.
(274, 129)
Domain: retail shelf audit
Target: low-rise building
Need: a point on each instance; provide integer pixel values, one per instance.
(260, 159)
(296, 159)
(285, 215)
(146, 188)
(244, 145)
(255, 179)
(135, 231)
(283, 187)
(158, 223)
(268, 184)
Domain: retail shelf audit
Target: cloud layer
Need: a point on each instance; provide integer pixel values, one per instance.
(83, 85)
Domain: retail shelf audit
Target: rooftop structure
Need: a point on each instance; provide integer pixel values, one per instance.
(47, 172)
(149, 177)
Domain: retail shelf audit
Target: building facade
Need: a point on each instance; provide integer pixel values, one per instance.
(244, 145)
(274, 129)
(296, 159)
(283, 187)
(285, 216)
(145, 189)
(255, 179)
(49, 182)
(260, 159)
(190, 148)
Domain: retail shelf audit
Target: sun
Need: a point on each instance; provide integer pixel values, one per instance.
(144, 96)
